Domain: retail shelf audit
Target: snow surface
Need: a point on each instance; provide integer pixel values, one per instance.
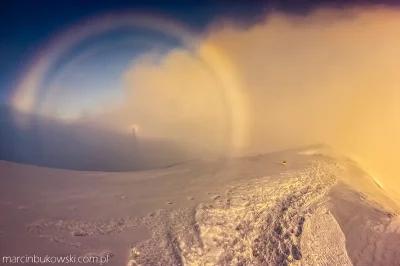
(316, 210)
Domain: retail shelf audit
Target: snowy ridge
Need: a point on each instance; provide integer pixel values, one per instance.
(259, 222)
(316, 210)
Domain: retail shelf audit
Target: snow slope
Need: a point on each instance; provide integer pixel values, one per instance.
(316, 210)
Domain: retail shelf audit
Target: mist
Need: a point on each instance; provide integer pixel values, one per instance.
(287, 81)
(329, 77)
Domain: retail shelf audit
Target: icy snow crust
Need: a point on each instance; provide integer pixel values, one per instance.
(260, 222)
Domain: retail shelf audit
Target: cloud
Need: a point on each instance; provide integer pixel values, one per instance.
(331, 76)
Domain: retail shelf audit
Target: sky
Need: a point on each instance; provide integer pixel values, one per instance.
(26, 26)
(225, 78)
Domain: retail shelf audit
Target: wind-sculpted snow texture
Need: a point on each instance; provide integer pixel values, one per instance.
(259, 222)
